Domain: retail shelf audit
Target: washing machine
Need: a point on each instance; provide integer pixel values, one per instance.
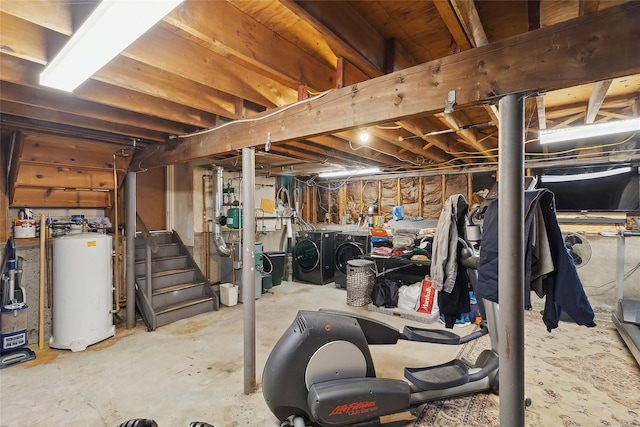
(313, 257)
(349, 246)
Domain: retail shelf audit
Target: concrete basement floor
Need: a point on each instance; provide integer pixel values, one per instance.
(191, 370)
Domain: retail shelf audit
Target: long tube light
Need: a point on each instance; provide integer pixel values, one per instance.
(113, 26)
(548, 136)
(336, 174)
(584, 176)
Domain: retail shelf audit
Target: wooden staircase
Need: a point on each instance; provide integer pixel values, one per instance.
(178, 290)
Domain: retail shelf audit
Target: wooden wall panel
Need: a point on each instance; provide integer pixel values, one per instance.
(151, 199)
(60, 198)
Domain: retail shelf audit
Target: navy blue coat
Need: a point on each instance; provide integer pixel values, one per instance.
(562, 288)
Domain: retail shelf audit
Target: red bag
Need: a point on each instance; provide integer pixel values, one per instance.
(427, 296)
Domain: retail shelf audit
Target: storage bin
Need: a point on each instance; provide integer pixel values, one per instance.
(274, 264)
(228, 294)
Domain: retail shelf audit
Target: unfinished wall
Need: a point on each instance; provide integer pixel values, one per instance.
(431, 197)
(420, 196)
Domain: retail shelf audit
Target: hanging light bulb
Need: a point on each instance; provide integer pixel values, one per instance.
(364, 136)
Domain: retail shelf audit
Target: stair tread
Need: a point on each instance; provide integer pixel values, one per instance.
(177, 287)
(163, 258)
(168, 272)
(176, 306)
(159, 244)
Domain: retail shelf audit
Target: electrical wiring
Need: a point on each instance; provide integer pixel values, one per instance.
(578, 149)
(492, 150)
(382, 152)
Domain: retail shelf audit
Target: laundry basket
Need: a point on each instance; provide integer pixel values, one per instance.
(360, 280)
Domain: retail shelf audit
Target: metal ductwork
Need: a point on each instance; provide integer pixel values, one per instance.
(218, 185)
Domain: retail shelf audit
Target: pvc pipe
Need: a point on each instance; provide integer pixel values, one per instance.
(43, 230)
(248, 268)
(511, 259)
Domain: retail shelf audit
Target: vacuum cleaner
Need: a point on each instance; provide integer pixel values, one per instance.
(13, 311)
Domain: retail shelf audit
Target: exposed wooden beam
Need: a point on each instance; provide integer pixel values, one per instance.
(347, 32)
(421, 127)
(588, 6)
(457, 122)
(450, 18)
(139, 77)
(413, 146)
(362, 155)
(596, 99)
(470, 20)
(533, 14)
(595, 47)
(23, 39)
(392, 151)
(79, 121)
(157, 47)
(229, 32)
(25, 73)
(52, 14)
(67, 103)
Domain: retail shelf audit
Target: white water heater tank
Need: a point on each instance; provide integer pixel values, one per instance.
(82, 291)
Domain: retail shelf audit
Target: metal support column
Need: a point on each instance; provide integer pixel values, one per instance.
(248, 267)
(620, 264)
(511, 260)
(130, 239)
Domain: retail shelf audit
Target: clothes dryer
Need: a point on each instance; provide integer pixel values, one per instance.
(349, 246)
(313, 257)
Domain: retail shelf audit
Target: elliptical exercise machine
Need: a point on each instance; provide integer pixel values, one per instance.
(320, 372)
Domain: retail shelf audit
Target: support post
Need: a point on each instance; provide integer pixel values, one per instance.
(249, 268)
(130, 239)
(511, 257)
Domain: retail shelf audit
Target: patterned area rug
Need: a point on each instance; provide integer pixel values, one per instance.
(575, 376)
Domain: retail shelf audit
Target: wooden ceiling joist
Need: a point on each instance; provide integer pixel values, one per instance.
(521, 64)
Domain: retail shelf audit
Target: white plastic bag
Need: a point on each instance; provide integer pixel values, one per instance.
(409, 295)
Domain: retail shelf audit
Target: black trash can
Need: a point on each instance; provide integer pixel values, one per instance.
(274, 264)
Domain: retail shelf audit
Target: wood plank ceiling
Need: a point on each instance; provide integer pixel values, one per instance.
(209, 63)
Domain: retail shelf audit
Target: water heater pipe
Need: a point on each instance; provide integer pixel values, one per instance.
(43, 236)
(218, 185)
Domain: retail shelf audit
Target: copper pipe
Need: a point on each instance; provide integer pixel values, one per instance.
(205, 234)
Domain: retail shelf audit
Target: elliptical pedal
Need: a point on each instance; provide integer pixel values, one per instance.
(439, 377)
(436, 336)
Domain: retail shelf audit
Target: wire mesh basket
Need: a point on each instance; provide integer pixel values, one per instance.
(360, 280)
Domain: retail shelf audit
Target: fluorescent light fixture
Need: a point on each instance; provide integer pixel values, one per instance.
(548, 136)
(336, 174)
(584, 176)
(113, 26)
